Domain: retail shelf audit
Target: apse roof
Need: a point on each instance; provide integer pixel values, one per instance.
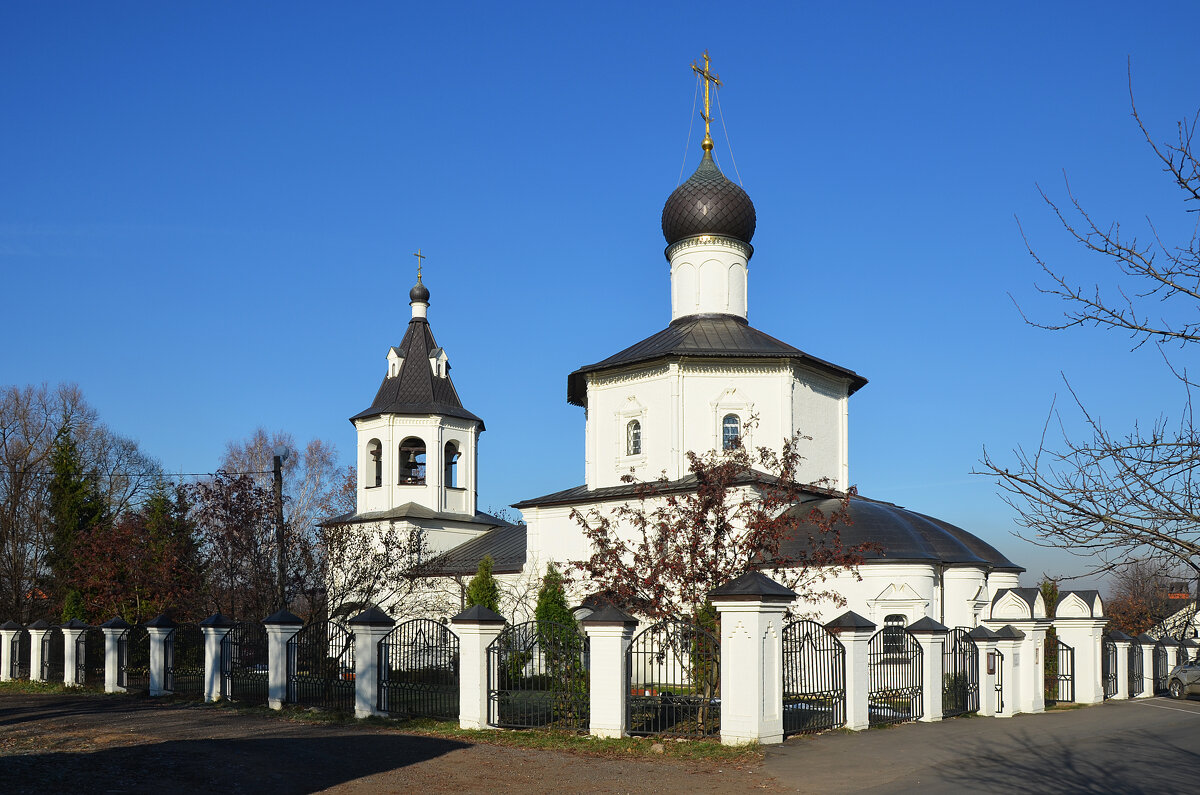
(723, 336)
(415, 389)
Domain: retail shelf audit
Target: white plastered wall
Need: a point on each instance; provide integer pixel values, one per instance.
(435, 431)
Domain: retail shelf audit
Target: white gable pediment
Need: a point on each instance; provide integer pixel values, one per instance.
(1071, 606)
(1010, 605)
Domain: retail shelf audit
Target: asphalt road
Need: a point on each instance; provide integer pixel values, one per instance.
(1146, 745)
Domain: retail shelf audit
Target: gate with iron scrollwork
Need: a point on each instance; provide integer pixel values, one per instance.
(894, 668)
(1108, 668)
(814, 679)
(418, 670)
(674, 684)
(960, 674)
(1137, 677)
(320, 661)
(1162, 667)
(53, 656)
(245, 670)
(538, 677)
(89, 658)
(20, 648)
(133, 659)
(184, 674)
(999, 668)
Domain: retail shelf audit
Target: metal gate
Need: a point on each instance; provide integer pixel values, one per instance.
(19, 651)
(245, 672)
(1060, 673)
(418, 670)
(1162, 668)
(894, 668)
(89, 658)
(960, 675)
(53, 656)
(998, 667)
(133, 659)
(320, 661)
(814, 679)
(674, 685)
(1137, 676)
(1108, 668)
(184, 674)
(538, 677)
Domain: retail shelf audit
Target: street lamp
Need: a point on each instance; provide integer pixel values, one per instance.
(281, 454)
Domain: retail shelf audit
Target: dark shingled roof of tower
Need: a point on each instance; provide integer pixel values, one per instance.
(724, 336)
(708, 204)
(416, 390)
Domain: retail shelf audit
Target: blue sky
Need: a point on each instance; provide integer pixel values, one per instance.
(207, 212)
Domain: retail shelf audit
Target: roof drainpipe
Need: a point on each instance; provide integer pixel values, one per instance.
(942, 593)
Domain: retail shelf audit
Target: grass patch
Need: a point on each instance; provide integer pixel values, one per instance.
(29, 686)
(1064, 706)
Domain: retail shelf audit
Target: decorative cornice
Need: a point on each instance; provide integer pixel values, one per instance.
(702, 241)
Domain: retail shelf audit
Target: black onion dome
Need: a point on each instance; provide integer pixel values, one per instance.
(708, 204)
(419, 292)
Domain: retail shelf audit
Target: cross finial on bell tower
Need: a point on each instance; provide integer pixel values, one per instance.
(710, 77)
(420, 261)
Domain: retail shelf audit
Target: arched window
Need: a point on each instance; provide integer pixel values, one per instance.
(412, 462)
(731, 432)
(451, 465)
(374, 464)
(633, 438)
(893, 634)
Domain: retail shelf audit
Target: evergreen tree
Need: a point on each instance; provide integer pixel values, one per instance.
(552, 605)
(483, 589)
(76, 505)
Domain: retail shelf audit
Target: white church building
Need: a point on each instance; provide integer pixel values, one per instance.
(693, 386)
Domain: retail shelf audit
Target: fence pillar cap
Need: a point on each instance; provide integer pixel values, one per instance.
(1146, 640)
(981, 633)
(1117, 634)
(75, 623)
(753, 586)
(217, 620)
(1009, 632)
(372, 617)
(609, 615)
(478, 614)
(1191, 643)
(10, 624)
(850, 620)
(116, 622)
(284, 616)
(927, 626)
(41, 623)
(160, 621)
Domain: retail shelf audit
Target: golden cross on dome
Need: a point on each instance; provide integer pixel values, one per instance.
(709, 77)
(420, 261)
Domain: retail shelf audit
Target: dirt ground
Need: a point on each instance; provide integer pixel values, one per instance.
(101, 744)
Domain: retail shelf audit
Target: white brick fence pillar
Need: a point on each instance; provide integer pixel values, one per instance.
(752, 609)
(609, 631)
(71, 631)
(369, 627)
(113, 629)
(1084, 635)
(8, 630)
(215, 628)
(855, 633)
(37, 630)
(476, 627)
(932, 637)
(1008, 642)
(1145, 644)
(1122, 642)
(159, 628)
(281, 627)
(985, 642)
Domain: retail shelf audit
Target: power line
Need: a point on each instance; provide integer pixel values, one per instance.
(131, 475)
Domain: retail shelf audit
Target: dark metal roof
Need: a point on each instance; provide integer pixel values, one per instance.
(1009, 632)
(903, 535)
(506, 545)
(284, 617)
(851, 620)
(372, 617)
(981, 633)
(415, 389)
(927, 624)
(1027, 595)
(608, 614)
(1117, 634)
(582, 494)
(413, 511)
(753, 585)
(706, 336)
(708, 204)
(478, 614)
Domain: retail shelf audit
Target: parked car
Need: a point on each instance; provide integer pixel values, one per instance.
(1184, 679)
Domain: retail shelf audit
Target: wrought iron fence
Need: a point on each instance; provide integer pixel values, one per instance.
(89, 658)
(894, 667)
(998, 667)
(538, 677)
(1137, 676)
(184, 670)
(960, 675)
(674, 685)
(20, 648)
(245, 670)
(1059, 673)
(1162, 667)
(814, 679)
(1108, 668)
(418, 670)
(133, 659)
(53, 656)
(321, 667)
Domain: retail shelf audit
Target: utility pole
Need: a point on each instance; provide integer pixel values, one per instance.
(281, 453)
